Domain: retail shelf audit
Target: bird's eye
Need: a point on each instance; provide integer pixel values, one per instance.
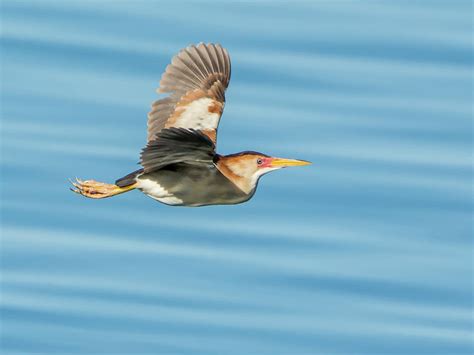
(259, 161)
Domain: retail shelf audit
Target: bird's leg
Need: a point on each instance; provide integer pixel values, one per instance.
(96, 189)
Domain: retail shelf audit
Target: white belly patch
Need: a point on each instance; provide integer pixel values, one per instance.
(156, 191)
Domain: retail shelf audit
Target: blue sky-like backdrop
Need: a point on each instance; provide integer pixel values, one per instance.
(367, 251)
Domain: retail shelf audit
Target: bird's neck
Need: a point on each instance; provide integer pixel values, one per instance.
(230, 170)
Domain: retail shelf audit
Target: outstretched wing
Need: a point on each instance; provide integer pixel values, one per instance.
(196, 80)
(177, 145)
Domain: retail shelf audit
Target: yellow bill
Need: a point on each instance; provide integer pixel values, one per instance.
(283, 163)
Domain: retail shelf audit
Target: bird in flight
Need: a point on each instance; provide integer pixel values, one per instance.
(180, 166)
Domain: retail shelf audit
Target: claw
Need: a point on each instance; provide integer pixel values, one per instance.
(74, 184)
(79, 189)
(75, 191)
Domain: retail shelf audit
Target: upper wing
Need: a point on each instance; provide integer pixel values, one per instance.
(177, 145)
(196, 80)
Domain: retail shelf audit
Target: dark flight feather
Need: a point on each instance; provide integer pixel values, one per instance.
(177, 145)
(129, 179)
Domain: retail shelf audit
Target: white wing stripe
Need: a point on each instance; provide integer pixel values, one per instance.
(196, 115)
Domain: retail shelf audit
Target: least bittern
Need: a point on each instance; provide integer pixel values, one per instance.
(180, 164)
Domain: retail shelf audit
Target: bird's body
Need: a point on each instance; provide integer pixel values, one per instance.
(170, 185)
(180, 165)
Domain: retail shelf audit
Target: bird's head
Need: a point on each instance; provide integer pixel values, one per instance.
(250, 166)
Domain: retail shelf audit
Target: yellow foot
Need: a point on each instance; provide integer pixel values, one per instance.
(96, 189)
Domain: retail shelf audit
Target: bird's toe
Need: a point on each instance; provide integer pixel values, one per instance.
(92, 188)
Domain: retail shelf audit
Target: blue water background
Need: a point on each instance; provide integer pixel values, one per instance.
(368, 251)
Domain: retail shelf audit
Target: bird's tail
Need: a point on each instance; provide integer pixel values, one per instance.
(95, 189)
